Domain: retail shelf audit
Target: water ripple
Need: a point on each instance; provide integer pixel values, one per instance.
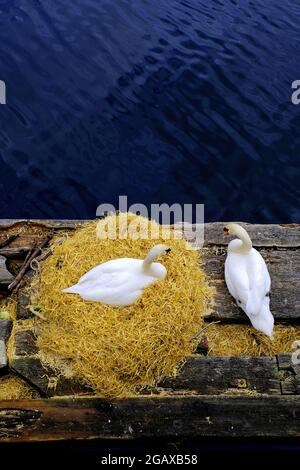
(174, 101)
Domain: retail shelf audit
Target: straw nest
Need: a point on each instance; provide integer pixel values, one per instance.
(119, 351)
(244, 340)
(14, 388)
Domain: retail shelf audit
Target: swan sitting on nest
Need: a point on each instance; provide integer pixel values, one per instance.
(120, 282)
(248, 279)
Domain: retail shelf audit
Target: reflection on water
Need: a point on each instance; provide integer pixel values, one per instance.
(175, 101)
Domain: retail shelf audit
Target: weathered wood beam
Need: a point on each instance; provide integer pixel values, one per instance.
(44, 378)
(52, 223)
(199, 375)
(215, 375)
(88, 418)
(262, 235)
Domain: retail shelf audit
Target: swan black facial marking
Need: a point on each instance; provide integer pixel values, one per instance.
(168, 250)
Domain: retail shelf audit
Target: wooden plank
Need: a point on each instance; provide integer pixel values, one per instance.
(87, 418)
(25, 343)
(267, 235)
(284, 268)
(13, 421)
(215, 375)
(199, 375)
(23, 311)
(45, 379)
(262, 235)
(46, 223)
(290, 374)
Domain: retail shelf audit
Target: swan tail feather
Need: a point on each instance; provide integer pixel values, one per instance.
(264, 321)
(266, 313)
(71, 290)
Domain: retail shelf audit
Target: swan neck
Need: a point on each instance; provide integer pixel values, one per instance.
(245, 239)
(150, 258)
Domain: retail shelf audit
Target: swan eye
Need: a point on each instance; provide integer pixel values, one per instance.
(268, 294)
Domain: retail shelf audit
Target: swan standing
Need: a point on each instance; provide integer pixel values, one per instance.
(120, 282)
(248, 279)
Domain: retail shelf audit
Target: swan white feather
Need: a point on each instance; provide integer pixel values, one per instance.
(120, 282)
(248, 279)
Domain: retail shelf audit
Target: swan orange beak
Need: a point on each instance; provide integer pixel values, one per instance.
(226, 231)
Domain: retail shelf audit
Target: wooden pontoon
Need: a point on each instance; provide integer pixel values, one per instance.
(212, 396)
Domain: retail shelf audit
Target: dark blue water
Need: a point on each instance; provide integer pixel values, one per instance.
(161, 100)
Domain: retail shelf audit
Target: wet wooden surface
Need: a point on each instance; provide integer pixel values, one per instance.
(180, 417)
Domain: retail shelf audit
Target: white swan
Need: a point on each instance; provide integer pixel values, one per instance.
(248, 279)
(120, 282)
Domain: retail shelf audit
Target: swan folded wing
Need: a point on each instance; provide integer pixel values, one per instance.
(125, 300)
(259, 283)
(113, 267)
(113, 288)
(112, 295)
(237, 280)
(105, 280)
